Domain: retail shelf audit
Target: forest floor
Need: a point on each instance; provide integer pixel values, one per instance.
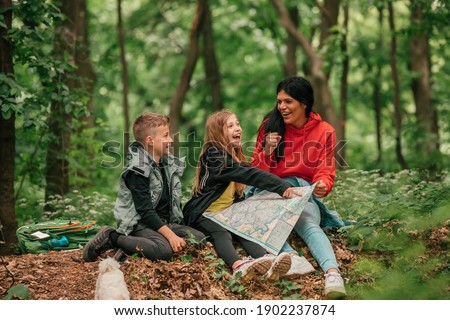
(193, 274)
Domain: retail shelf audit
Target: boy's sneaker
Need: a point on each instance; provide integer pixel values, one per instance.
(334, 286)
(280, 266)
(299, 266)
(99, 244)
(251, 267)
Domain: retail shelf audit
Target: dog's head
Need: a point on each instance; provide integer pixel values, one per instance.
(109, 264)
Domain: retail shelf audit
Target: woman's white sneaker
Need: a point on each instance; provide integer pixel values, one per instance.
(334, 286)
(299, 266)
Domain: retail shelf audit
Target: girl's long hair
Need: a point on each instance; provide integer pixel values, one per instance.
(215, 136)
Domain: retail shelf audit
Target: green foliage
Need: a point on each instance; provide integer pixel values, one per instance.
(237, 287)
(289, 291)
(400, 217)
(18, 292)
(75, 205)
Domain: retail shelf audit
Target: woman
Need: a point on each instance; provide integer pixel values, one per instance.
(297, 145)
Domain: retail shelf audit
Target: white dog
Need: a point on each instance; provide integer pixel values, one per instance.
(110, 282)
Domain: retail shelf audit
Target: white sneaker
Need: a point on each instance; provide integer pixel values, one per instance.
(280, 265)
(251, 267)
(299, 266)
(334, 286)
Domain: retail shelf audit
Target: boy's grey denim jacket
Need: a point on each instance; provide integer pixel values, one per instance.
(141, 162)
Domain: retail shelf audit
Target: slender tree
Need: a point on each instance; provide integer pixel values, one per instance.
(85, 75)
(320, 81)
(426, 115)
(344, 83)
(211, 66)
(123, 63)
(396, 80)
(176, 103)
(329, 19)
(8, 224)
(291, 45)
(60, 119)
(377, 91)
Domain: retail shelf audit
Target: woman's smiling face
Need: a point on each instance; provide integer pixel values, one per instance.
(292, 110)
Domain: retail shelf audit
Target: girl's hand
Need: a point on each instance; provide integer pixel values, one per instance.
(272, 139)
(320, 189)
(291, 192)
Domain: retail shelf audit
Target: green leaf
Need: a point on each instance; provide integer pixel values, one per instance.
(18, 292)
(187, 258)
(68, 107)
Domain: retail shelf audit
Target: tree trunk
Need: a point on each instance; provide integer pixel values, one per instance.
(176, 103)
(426, 116)
(377, 94)
(85, 80)
(123, 62)
(291, 45)
(329, 19)
(211, 66)
(8, 223)
(344, 85)
(85, 72)
(322, 93)
(60, 121)
(395, 78)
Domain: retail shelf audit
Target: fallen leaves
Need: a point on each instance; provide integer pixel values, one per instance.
(193, 275)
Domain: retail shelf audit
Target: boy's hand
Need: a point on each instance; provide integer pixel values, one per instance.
(320, 189)
(290, 192)
(177, 243)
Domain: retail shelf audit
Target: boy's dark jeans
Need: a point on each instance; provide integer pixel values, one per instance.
(152, 245)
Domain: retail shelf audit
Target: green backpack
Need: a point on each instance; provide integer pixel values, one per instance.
(42, 237)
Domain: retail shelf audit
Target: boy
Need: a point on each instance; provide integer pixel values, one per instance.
(147, 209)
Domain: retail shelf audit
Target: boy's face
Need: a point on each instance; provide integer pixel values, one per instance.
(160, 141)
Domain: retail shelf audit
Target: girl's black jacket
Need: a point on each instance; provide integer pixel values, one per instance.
(218, 169)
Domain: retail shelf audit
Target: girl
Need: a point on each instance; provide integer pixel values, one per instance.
(222, 174)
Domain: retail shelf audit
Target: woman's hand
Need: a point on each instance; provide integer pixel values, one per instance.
(290, 192)
(320, 190)
(271, 142)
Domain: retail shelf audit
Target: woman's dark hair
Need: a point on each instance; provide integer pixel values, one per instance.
(301, 90)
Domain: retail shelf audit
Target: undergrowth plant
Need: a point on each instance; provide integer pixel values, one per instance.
(400, 219)
(75, 205)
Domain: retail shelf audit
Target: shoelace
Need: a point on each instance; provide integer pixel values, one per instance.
(333, 277)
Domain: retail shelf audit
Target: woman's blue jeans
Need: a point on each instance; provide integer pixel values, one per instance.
(308, 228)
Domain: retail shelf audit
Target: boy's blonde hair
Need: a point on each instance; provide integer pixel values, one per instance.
(215, 135)
(146, 121)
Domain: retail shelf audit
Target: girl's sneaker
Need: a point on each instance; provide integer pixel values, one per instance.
(280, 266)
(250, 267)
